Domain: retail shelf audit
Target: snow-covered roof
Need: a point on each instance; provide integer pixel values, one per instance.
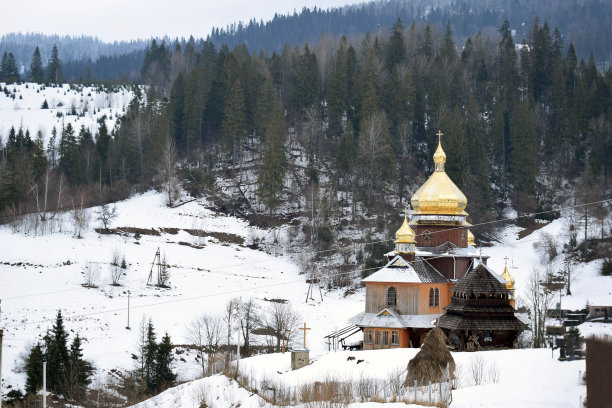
(442, 250)
(401, 271)
(390, 319)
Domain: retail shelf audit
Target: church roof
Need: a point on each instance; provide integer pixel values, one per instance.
(439, 195)
(481, 280)
(401, 271)
(388, 318)
(458, 322)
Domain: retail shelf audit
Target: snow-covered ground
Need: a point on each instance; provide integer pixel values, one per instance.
(90, 104)
(511, 378)
(43, 273)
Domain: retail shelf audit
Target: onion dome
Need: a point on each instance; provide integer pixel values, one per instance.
(508, 278)
(405, 238)
(439, 195)
(405, 235)
(471, 240)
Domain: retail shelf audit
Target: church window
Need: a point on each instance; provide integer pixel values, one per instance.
(395, 337)
(368, 336)
(385, 341)
(434, 297)
(391, 296)
(376, 336)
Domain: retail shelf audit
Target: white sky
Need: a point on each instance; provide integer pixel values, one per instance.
(129, 19)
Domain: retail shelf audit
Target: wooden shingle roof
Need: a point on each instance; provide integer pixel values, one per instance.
(480, 281)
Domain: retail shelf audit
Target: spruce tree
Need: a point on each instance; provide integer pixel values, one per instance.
(33, 369)
(78, 372)
(164, 377)
(150, 356)
(54, 68)
(234, 121)
(271, 176)
(37, 73)
(56, 343)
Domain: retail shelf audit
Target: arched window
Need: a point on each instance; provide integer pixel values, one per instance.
(434, 297)
(391, 296)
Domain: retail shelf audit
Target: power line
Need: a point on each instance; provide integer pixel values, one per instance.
(330, 250)
(86, 315)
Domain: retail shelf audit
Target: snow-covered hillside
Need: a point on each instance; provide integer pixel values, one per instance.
(21, 106)
(43, 273)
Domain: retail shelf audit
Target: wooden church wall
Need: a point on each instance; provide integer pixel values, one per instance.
(407, 298)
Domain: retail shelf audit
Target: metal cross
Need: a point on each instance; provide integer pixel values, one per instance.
(304, 328)
(439, 134)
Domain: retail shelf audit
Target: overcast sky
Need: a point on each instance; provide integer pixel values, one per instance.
(128, 19)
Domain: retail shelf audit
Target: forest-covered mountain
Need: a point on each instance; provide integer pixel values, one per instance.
(522, 127)
(585, 23)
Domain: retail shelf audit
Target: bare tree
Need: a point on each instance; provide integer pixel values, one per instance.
(170, 182)
(248, 320)
(106, 214)
(80, 218)
(539, 299)
(116, 270)
(206, 332)
(231, 309)
(546, 247)
(281, 317)
(91, 274)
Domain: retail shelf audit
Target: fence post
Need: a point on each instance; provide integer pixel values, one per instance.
(429, 391)
(415, 397)
(579, 376)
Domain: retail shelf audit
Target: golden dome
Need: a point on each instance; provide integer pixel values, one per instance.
(439, 195)
(508, 278)
(439, 157)
(470, 238)
(405, 235)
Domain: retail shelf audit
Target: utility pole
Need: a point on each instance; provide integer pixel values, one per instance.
(1, 334)
(128, 322)
(44, 390)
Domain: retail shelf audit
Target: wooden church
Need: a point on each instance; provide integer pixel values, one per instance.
(434, 253)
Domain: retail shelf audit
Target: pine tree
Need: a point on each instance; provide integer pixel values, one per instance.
(150, 355)
(8, 68)
(177, 108)
(37, 73)
(524, 149)
(396, 53)
(56, 344)
(508, 73)
(271, 176)
(234, 121)
(38, 157)
(164, 377)
(33, 369)
(78, 372)
(337, 90)
(54, 68)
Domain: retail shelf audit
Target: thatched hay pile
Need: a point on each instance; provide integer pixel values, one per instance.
(430, 363)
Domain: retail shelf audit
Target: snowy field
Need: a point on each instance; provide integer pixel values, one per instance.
(43, 273)
(24, 110)
(511, 378)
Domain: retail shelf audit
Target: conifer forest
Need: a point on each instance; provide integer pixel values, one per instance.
(337, 131)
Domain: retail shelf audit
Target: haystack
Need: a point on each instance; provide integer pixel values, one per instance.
(430, 363)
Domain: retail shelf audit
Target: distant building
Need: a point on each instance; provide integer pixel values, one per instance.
(433, 251)
(599, 312)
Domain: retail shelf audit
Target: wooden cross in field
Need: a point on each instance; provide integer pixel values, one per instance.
(284, 333)
(304, 328)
